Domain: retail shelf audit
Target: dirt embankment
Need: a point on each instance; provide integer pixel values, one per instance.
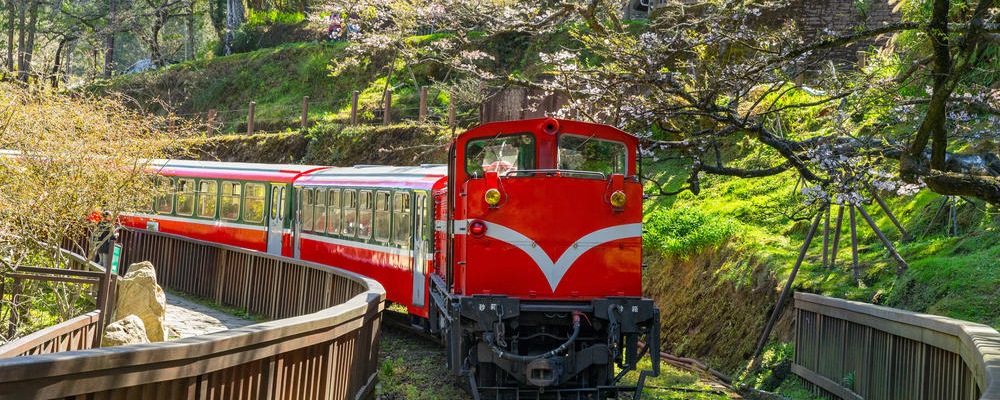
(333, 145)
(713, 305)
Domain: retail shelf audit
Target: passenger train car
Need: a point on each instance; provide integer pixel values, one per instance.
(523, 253)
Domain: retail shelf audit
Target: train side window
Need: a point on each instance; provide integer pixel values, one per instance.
(148, 205)
(253, 211)
(365, 214)
(383, 216)
(333, 211)
(185, 196)
(401, 219)
(208, 193)
(306, 209)
(350, 212)
(165, 195)
(319, 211)
(232, 193)
(277, 201)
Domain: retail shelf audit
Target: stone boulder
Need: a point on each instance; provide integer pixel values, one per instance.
(128, 330)
(138, 294)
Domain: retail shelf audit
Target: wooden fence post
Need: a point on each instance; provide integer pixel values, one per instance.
(387, 115)
(211, 120)
(423, 104)
(354, 108)
(305, 112)
(253, 106)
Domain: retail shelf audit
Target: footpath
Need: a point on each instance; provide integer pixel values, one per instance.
(186, 318)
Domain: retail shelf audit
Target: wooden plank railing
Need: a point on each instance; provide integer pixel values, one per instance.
(851, 350)
(326, 347)
(74, 334)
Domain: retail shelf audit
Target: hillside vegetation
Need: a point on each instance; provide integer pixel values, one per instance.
(715, 260)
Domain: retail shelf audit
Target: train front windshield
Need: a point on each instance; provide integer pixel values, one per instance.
(501, 154)
(586, 153)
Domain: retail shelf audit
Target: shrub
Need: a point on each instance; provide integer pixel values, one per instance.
(682, 231)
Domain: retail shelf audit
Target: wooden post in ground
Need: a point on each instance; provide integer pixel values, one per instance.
(250, 113)
(211, 121)
(354, 107)
(423, 104)
(854, 244)
(387, 114)
(901, 265)
(836, 236)
(826, 238)
(305, 112)
(755, 360)
(888, 212)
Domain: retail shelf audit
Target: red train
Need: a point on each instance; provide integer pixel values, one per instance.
(523, 253)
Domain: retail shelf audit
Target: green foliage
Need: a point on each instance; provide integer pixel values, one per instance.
(684, 230)
(775, 366)
(268, 17)
(673, 384)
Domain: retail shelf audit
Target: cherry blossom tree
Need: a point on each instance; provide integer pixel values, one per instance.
(713, 81)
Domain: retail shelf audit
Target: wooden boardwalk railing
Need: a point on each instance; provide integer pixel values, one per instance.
(75, 334)
(325, 348)
(851, 350)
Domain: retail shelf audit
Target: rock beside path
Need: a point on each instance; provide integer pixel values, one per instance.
(140, 295)
(128, 330)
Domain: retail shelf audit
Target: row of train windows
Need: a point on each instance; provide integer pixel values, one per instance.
(361, 214)
(186, 198)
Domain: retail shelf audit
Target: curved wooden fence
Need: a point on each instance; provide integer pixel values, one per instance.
(325, 348)
(851, 350)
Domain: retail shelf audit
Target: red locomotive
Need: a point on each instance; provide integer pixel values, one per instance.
(523, 253)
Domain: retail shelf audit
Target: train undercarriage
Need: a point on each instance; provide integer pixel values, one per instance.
(504, 347)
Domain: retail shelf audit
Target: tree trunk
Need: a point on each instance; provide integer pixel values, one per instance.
(22, 13)
(189, 32)
(234, 19)
(109, 43)
(217, 14)
(56, 64)
(155, 54)
(933, 126)
(24, 70)
(11, 27)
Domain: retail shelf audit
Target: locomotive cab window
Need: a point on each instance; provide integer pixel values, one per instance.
(501, 154)
(208, 193)
(232, 193)
(382, 216)
(253, 211)
(587, 153)
(185, 196)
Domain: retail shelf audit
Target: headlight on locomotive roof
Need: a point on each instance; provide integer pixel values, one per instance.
(492, 197)
(618, 199)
